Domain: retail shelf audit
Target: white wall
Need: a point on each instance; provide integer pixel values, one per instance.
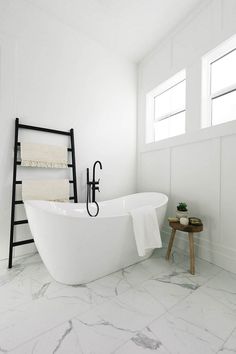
(199, 168)
(52, 76)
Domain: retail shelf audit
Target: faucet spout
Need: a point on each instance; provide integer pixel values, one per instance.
(95, 184)
(94, 168)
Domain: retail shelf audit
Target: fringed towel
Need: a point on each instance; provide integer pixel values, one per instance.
(146, 229)
(54, 190)
(40, 155)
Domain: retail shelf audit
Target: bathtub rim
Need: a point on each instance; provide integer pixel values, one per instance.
(39, 204)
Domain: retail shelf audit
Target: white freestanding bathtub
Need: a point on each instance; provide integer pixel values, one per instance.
(76, 248)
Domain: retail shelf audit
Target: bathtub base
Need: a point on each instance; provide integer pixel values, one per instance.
(96, 275)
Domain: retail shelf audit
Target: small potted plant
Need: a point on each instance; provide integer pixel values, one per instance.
(182, 210)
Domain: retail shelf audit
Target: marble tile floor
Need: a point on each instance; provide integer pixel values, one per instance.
(151, 307)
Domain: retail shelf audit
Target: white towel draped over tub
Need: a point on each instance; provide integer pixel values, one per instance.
(53, 189)
(146, 229)
(40, 155)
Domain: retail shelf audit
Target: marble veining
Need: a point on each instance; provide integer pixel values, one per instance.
(66, 333)
(151, 307)
(169, 279)
(146, 342)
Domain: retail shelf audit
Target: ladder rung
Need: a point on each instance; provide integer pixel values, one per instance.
(41, 129)
(19, 243)
(18, 202)
(20, 182)
(19, 222)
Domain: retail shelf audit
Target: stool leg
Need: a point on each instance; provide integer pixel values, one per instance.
(172, 237)
(191, 252)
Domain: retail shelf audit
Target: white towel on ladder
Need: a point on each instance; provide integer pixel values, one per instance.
(146, 229)
(53, 189)
(40, 155)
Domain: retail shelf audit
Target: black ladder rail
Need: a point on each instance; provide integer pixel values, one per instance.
(13, 194)
(73, 164)
(17, 182)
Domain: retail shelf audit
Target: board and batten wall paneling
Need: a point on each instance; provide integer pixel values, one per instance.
(199, 168)
(195, 179)
(228, 195)
(154, 171)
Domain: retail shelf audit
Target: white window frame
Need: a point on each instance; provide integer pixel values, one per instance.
(216, 54)
(150, 105)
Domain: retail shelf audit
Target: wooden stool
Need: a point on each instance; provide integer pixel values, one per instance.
(185, 228)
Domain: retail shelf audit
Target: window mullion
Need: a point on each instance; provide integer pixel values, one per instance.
(223, 92)
(159, 94)
(171, 114)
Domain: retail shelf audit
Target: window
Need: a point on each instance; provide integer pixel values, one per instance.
(165, 109)
(219, 84)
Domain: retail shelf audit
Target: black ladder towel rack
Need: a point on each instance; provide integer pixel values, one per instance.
(15, 202)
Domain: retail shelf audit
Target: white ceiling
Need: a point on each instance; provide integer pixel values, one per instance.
(131, 27)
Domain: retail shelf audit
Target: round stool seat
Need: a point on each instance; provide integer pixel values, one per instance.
(185, 228)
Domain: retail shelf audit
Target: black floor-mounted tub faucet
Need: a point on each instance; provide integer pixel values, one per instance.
(92, 187)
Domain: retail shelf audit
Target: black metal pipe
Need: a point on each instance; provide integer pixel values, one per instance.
(88, 187)
(73, 164)
(13, 194)
(94, 185)
(88, 202)
(19, 202)
(94, 182)
(94, 166)
(41, 129)
(20, 222)
(24, 242)
(20, 182)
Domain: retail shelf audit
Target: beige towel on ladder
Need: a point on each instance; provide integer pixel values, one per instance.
(54, 190)
(40, 155)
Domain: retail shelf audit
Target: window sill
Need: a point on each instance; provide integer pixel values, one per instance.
(213, 132)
